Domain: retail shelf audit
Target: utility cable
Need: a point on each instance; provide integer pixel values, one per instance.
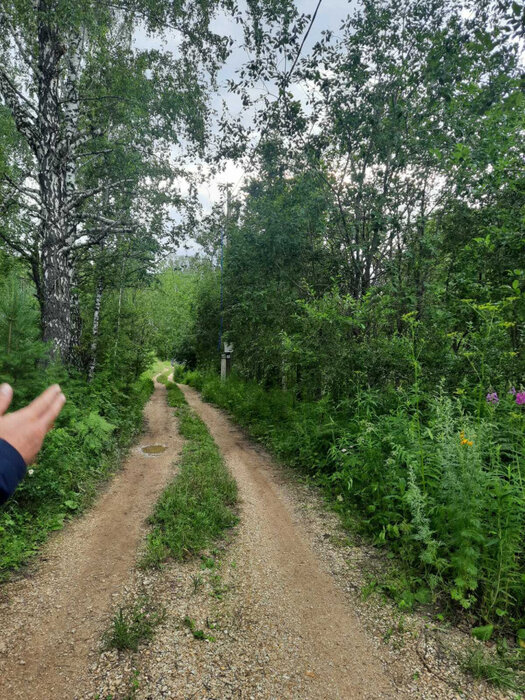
(285, 84)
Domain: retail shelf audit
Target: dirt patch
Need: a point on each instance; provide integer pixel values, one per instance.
(52, 622)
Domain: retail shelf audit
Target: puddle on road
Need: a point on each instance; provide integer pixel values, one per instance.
(154, 449)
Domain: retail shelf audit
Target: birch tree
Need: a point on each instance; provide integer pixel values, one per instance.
(79, 92)
(53, 55)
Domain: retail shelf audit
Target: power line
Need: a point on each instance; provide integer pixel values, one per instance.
(304, 40)
(285, 84)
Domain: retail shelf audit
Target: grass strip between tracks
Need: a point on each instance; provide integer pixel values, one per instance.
(198, 506)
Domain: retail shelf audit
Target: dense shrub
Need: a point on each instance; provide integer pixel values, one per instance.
(443, 489)
(98, 421)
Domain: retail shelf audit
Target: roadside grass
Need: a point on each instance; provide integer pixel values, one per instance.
(160, 366)
(504, 670)
(199, 504)
(162, 369)
(133, 624)
(197, 633)
(175, 397)
(163, 377)
(179, 373)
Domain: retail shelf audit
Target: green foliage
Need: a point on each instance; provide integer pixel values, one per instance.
(94, 432)
(372, 284)
(445, 491)
(178, 373)
(373, 293)
(171, 302)
(132, 625)
(300, 432)
(483, 633)
(20, 345)
(125, 345)
(197, 633)
(164, 376)
(198, 506)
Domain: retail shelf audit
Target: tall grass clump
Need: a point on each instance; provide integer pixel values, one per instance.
(133, 624)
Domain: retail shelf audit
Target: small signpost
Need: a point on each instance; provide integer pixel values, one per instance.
(226, 361)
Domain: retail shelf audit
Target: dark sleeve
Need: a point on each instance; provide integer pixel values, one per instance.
(12, 470)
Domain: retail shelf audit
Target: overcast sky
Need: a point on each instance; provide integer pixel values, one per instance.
(330, 16)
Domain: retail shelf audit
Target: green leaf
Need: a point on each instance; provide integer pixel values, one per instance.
(483, 633)
(521, 637)
(423, 596)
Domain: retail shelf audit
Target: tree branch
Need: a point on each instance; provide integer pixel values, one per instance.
(26, 191)
(78, 197)
(10, 91)
(102, 233)
(15, 246)
(15, 101)
(93, 153)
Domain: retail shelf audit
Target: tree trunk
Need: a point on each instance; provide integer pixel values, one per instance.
(9, 335)
(52, 171)
(46, 106)
(56, 319)
(94, 335)
(121, 290)
(75, 357)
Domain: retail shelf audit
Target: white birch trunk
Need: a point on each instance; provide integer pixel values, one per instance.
(57, 123)
(121, 290)
(94, 336)
(47, 114)
(51, 160)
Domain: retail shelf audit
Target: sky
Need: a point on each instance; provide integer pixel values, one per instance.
(330, 15)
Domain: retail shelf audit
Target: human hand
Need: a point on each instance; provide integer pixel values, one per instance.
(26, 429)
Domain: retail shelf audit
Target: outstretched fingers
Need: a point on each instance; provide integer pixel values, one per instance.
(46, 407)
(53, 410)
(6, 395)
(42, 404)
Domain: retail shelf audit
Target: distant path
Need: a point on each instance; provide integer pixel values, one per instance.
(51, 623)
(301, 621)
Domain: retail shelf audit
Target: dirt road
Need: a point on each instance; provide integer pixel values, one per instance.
(277, 613)
(301, 620)
(51, 623)
(272, 618)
